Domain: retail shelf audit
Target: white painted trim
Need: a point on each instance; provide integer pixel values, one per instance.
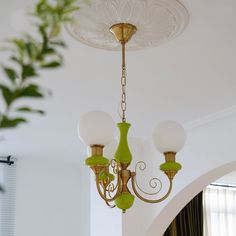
(211, 118)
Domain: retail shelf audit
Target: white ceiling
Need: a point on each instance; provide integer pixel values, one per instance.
(186, 79)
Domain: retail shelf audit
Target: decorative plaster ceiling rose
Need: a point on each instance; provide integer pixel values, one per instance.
(157, 21)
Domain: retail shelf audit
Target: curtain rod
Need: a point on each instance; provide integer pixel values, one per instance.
(223, 185)
(7, 160)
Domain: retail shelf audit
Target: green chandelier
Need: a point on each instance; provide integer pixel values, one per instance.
(97, 129)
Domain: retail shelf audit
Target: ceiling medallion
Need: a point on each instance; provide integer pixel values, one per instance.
(157, 21)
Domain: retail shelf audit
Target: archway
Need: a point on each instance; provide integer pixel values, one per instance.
(169, 212)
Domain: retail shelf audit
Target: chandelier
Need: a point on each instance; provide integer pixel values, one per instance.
(94, 25)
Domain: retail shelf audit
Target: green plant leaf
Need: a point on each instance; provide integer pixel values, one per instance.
(33, 53)
(11, 123)
(15, 59)
(30, 110)
(28, 71)
(10, 73)
(70, 10)
(31, 48)
(31, 90)
(58, 43)
(53, 64)
(48, 51)
(19, 43)
(56, 30)
(7, 94)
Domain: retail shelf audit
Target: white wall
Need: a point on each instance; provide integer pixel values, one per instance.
(104, 221)
(209, 153)
(52, 198)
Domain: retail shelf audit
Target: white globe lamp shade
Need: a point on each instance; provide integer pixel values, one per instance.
(96, 127)
(169, 136)
(110, 149)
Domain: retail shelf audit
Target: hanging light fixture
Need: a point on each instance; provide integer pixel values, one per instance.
(96, 128)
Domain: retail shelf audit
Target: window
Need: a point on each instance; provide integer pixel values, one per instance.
(7, 199)
(220, 211)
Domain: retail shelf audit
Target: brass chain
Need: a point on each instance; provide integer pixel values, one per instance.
(123, 94)
(123, 85)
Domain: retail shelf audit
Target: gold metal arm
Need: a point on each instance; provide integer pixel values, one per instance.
(111, 188)
(103, 196)
(153, 182)
(133, 180)
(108, 204)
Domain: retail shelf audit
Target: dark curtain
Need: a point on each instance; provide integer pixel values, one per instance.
(189, 222)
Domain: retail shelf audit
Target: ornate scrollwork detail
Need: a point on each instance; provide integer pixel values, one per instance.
(108, 204)
(106, 188)
(115, 166)
(133, 180)
(111, 189)
(111, 206)
(101, 192)
(153, 183)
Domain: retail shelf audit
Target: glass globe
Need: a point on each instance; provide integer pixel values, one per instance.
(96, 127)
(169, 136)
(110, 149)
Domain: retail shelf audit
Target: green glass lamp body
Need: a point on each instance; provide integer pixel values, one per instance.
(123, 154)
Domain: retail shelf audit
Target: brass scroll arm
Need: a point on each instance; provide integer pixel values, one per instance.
(104, 196)
(133, 179)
